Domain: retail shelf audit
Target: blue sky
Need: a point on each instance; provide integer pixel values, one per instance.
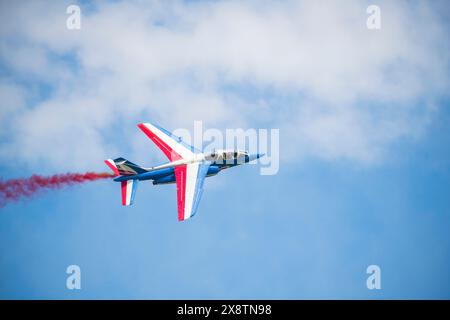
(364, 160)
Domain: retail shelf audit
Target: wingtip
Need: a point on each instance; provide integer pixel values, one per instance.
(151, 124)
(147, 126)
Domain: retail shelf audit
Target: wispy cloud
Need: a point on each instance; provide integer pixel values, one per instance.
(335, 89)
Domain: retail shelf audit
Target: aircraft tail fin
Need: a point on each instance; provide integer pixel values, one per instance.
(123, 167)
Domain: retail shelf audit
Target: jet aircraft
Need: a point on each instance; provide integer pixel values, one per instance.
(187, 167)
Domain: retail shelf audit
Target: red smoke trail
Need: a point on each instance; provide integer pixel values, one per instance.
(14, 189)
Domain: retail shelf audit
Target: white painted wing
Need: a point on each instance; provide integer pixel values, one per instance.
(190, 179)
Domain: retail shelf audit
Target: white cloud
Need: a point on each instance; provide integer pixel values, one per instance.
(13, 101)
(351, 91)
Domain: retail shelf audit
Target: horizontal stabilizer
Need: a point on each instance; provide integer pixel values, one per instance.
(128, 191)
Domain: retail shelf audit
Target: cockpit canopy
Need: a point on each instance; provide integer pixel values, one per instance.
(226, 156)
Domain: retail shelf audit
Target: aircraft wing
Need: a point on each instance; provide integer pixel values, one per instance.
(190, 178)
(171, 145)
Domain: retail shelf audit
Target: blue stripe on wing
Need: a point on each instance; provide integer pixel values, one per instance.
(202, 171)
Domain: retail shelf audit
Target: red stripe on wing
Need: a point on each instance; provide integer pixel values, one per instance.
(180, 176)
(165, 148)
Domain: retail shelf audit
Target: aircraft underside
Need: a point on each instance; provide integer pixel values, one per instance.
(188, 167)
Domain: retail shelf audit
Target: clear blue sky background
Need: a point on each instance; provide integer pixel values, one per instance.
(308, 232)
